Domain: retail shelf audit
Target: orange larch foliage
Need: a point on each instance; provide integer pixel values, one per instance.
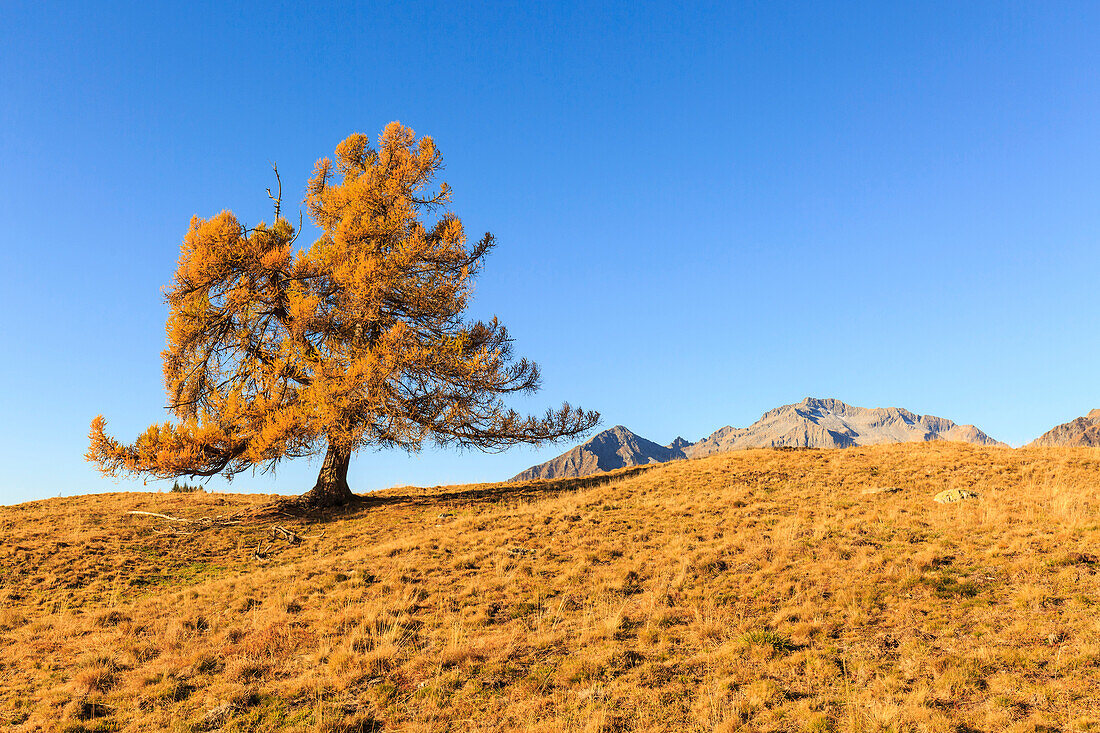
(358, 340)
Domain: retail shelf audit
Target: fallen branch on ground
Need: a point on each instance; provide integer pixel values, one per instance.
(161, 516)
(218, 521)
(286, 534)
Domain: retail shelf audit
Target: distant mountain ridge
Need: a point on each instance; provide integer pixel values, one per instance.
(1082, 431)
(811, 423)
(829, 423)
(617, 447)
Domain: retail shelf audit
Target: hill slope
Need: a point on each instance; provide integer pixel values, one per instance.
(1083, 431)
(752, 590)
(606, 451)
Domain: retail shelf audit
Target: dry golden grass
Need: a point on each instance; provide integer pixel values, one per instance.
(755, 591)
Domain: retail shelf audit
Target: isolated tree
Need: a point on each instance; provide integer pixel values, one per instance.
(358, 341)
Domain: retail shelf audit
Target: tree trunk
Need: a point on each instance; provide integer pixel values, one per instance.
(332, 481)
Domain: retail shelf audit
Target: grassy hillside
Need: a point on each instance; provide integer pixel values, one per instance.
(756, 591)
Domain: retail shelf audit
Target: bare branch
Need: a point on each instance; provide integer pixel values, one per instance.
(278, 198)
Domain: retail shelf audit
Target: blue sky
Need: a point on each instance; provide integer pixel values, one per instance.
(703, 211)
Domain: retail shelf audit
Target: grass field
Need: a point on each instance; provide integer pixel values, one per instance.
(754, 591)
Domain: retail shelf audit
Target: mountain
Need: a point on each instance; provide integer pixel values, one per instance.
(611, 449)
(811, 423)
(827, 423)
(1084, 431)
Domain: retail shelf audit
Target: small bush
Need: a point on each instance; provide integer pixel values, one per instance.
(766, 637)
(945, 586)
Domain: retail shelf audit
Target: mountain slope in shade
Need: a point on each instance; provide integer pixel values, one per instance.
(811, 423)
(1084, 431)
(614, 448)
(827, 423)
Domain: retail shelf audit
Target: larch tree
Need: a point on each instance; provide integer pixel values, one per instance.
(358, 341)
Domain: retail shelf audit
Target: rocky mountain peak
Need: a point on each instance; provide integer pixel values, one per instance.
(679, 444)
(1081, 431)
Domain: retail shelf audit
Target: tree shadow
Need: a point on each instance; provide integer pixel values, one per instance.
(518, 491)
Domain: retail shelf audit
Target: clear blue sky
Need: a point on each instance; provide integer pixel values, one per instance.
(703, 212)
